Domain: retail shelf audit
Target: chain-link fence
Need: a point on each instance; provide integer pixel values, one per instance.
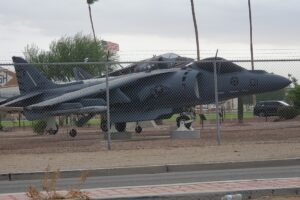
(150, 95)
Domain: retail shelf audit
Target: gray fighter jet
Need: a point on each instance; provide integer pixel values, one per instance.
(149, 95)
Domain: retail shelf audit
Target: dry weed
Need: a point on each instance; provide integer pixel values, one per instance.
(49, 185)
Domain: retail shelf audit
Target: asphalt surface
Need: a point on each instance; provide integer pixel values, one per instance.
(157, 179)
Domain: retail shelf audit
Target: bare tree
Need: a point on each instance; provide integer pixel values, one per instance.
(196, 29)
(90, 2)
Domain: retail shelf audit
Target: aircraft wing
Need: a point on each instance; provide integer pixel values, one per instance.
(98, 89)
(13, 104)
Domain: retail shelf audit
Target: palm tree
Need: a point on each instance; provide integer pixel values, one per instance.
(90, 2)
(197, 37)
(251, 41)
(196, 30)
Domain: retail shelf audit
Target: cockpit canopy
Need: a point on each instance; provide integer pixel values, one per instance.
(223, 66)
(168, 60)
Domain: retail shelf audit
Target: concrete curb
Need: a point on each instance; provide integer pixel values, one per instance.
(154, 169)
(233, 165)
(247, 194)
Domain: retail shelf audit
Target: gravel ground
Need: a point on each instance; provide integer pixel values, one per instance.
(21, 150)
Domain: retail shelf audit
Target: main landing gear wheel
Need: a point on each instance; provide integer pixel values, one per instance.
(183, 118)
(138, 129)
(120, 127)
(73, 132)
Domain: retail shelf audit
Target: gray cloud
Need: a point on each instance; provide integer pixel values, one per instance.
(219, 21)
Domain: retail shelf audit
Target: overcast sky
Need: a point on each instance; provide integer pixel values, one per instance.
(153, 26)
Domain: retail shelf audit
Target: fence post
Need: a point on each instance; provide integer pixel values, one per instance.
(108, 110)
(217, 100)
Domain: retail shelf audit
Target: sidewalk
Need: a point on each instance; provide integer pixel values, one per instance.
(183, 189)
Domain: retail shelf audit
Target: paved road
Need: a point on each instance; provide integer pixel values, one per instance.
(165, 178)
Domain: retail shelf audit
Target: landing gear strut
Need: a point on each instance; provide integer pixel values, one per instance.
(53, 131)
(72, 130)
(52, 126)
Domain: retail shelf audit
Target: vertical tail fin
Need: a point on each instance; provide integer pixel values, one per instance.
(80, 74)
(29, 78)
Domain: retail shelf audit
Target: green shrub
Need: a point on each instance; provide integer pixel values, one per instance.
(39, 126)
(287, 112)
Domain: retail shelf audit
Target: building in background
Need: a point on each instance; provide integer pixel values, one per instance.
(8, 84)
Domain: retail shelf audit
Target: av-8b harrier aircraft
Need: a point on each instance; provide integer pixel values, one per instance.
(142, 96)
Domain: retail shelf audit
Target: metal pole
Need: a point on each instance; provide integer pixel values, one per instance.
(108, 110)
(217, 100)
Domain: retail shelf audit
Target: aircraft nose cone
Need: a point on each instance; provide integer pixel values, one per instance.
(276, 82)
(281, 82)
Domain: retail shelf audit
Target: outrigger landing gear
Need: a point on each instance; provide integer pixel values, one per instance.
(52, 126)
(53, 131)
(72, 131)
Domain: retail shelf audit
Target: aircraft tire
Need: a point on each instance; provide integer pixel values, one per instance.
(120, 127)
(138, 129)
(73, 132)
(183, 118)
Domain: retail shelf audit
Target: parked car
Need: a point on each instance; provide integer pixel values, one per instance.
(268, 108)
